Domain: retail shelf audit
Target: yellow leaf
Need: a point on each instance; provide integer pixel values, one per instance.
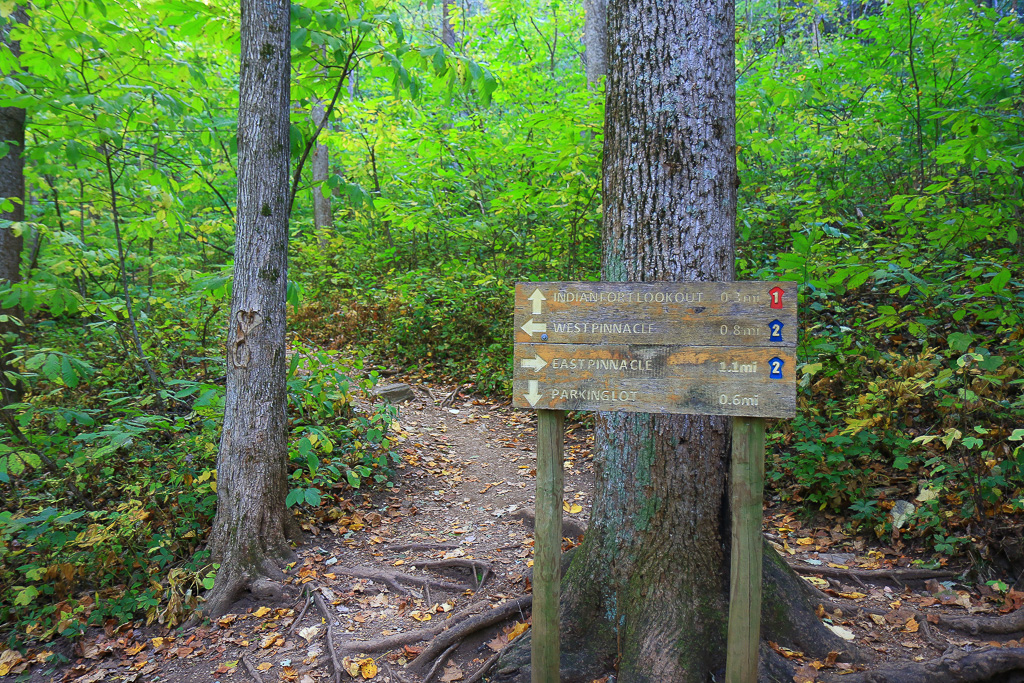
(271, 640)
(8, 660)
(911, 626)
(820, 583)
(265, 666)
(262, 612)
(351, 666)
(574, 508)
(853, 596)
(805, 541)
(517, 630)
(419, 616)
(368, 668)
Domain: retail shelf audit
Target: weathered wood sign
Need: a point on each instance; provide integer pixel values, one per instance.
(709, 348)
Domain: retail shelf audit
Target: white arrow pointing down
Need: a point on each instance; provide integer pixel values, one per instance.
(534, 395)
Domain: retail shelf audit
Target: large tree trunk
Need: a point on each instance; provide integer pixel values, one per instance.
(647, 593)
(249, 532)
(12, 187)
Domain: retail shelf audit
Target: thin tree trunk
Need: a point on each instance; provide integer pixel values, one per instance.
(323, 219)
(595, 38)
(447, 32)
(12, 188)
(249, 531)
(154, 380)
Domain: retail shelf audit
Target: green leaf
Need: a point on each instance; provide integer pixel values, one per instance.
(294, 496)
(960, 341)
(68, 373)
(24, 595)
(353, 479)
(312, 496)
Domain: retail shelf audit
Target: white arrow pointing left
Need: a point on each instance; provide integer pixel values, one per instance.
(530, 327)
(537, 363)
(534, 394)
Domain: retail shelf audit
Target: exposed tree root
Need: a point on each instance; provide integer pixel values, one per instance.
(922, 619)
(302, 613)
(392, 580)
(475, 566)
(419, 547)
(457, 633)
(450, 399)
(265, 582)
(329, 619)
(410, 637)
(996, 666)
(1006, 624)
(482, 671)
(898, 576)
(439, 663)
(250, 669)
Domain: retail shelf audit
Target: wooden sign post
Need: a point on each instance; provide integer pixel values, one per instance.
(704, 348)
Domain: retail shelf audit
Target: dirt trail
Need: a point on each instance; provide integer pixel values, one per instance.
(452, 544)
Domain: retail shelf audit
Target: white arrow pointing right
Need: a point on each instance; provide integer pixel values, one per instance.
(534, 394)
(537, 363)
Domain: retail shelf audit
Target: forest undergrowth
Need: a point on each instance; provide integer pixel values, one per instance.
(880, 168)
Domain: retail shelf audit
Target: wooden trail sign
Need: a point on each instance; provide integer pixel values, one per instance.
(706, 348)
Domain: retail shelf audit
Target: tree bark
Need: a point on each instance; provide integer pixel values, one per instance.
(595, 39)
(12, 187)
(447, 32)
(249, 532)
(647, 593)
(323, 218)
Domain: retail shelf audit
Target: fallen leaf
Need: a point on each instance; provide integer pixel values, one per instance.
(226, 620)
(805, 674)
(274, 638)
(785, 651)
(452, 673)
(911, 626)
(309, 633)
(134, 649)
(805, 541)
(878, 619)
(265, 666)
(8, 660)
(262, 612)
(517, 630)
(853, 596)
(289, 673)
(843, 633)
(351, 666)
(368, 668)
(225, 667)
(419, 616)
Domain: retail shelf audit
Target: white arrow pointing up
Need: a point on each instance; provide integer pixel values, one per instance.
(536, 298)
(537, 363)
(530, 327)
(534, 395)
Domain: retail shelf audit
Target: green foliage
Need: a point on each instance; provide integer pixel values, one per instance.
(879, 164)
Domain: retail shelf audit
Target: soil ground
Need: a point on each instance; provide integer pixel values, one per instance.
(463, 505)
